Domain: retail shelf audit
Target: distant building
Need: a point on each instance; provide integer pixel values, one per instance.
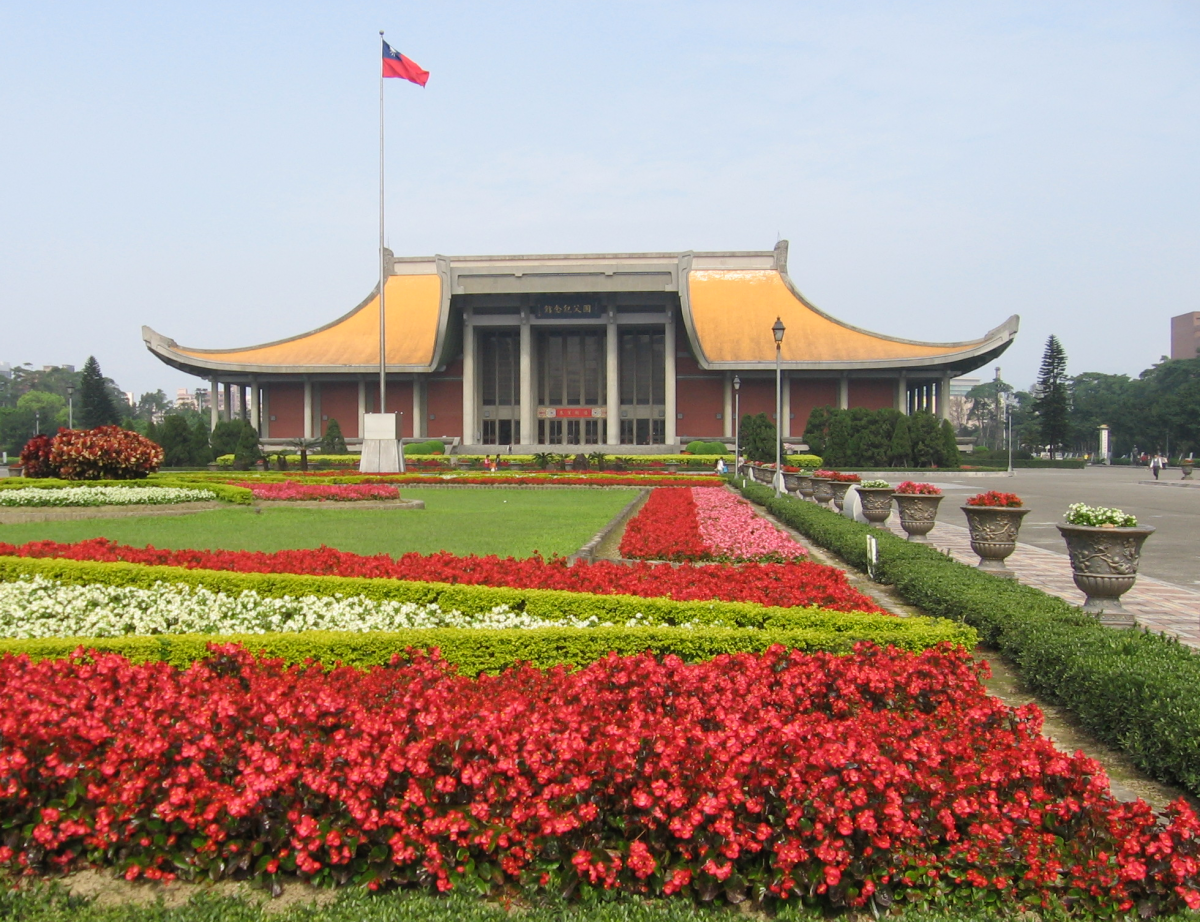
(1185, 336)
(622, 350)
(67, 368)
(5, 369)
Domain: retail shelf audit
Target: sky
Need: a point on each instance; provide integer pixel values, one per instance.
(211, 169)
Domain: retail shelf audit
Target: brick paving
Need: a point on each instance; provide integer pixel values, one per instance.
(1155, 604)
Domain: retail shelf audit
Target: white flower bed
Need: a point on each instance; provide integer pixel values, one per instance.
(40, 607)
(103, 496)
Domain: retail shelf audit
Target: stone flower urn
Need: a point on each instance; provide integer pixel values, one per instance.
(918, 513)
(791, 482)
(840, 488)
(876, 504)
(994, 535)
(762, 475)
(1187, 466)
(822, 490)
(804, 486)
(1104, 563)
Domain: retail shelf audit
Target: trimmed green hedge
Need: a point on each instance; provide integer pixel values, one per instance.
(223, 491)
(1133, 689)
(548, 604)
(475, 650)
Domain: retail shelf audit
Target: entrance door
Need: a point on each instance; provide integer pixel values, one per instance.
(500, 387)
(643, 388)
(571, 378)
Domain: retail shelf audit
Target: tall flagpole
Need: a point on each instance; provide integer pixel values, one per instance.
(382, 262)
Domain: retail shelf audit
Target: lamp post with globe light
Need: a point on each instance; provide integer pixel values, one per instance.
(777, 329)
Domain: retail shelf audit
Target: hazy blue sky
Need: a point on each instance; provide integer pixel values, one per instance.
(210, 168)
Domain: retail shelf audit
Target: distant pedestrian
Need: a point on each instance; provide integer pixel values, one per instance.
(720, 465)
(1155, 466)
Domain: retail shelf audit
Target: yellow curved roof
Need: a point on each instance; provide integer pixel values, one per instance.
(733, 309)
(413, 312)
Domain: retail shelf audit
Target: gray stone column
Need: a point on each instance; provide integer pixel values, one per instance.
(727, 414)
(943, 396)
(244, 401)
(902, 393)
(308, 408)
(228, 402)
(418, 407)
(214, 410)
(264, 411)
(469, 436)
(612, 377)
(255, 416)
(362, 404)
(844, 392)
(669, 350)
(528, 394)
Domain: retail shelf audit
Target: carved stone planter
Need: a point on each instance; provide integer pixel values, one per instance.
(791, 482)
(918, 513)
(804, 486)
(1187, 467)
(1104, 562)
(994, 535)
(876, 504)
(822, 491)
(761, 475)
(840, 488)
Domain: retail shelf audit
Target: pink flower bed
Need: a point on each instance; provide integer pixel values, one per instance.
(341, 493)
(731, 527)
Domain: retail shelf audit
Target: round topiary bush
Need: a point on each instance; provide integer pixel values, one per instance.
(701, 447)
(103, 453)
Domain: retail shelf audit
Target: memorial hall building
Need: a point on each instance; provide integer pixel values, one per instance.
(620, 352)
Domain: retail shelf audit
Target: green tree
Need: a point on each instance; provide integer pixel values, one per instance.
(816, 430)
(927, 448)
(175, 437)
(248, 453)
(333, 443)
(759, 438)
(900, 453)
(201, 450)
(950, 456)
(50, 409)
(96, 406)
(224, 438)
(987, 411)
(1053, 403)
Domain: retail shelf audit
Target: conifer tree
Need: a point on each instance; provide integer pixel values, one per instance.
(901, 450)
(950, 456)
(1052, 405)
(95, 403)
(201, 449)
(333, 443)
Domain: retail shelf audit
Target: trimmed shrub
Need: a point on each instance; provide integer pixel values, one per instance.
(35, 457)
(103, 453)
(333, 442)
(432, 447)
(708, 448)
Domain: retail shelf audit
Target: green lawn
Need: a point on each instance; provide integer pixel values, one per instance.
(509, 522)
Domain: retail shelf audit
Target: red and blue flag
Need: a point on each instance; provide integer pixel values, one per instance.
(397, 65)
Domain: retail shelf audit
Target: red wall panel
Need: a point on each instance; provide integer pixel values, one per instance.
(758, 396)
(808, 394)
(700, 400)
(443, 399)
(872, 393)
(285, 402)
(339, 400)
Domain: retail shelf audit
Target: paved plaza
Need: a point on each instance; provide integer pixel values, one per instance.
(1167, 594)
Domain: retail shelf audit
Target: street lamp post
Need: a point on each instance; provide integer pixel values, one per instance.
(777, 329)
(737, 423)
(70, 406)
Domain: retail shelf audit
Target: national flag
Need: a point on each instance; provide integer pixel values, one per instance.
(397, 65)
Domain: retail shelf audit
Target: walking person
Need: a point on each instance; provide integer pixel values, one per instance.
(1155, 465)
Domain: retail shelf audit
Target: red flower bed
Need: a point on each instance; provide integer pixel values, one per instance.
(787, 585)
(995, 498)
(343, 493)
(833, 777)
(665, 528)
(703, 523)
